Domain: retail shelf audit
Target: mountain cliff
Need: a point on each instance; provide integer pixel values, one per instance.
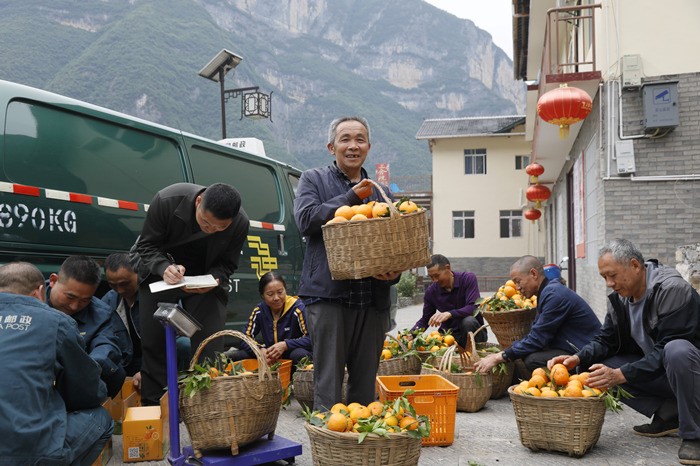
(395, 62)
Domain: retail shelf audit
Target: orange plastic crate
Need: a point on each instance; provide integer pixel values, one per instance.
(285, 370)
(435, 397)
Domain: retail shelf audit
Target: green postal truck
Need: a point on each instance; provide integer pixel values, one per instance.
(77, 179)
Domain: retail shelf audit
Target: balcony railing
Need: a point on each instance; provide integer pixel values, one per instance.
(570, 40)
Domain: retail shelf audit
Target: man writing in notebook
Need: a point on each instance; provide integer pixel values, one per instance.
(189, 230)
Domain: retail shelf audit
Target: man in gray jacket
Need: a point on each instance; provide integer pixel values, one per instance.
(649, 344)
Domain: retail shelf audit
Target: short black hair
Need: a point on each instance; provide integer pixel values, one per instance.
(438, 259)
(222, 200)
(20, 278)
(268, 278)
(81, 269)
(118, 260)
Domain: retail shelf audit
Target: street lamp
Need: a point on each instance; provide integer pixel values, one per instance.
(254, 104)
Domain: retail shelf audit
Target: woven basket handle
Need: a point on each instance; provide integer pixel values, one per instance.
(471, 348)
(393, 211)
(263, 368)
(446, 360)
(401, 345)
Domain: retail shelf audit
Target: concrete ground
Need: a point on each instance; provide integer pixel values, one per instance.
(490, 436)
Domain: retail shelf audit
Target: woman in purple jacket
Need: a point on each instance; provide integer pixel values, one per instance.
(281, 322)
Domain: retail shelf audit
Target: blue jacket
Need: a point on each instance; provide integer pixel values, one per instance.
(671, 312)
(129, 362)
(563, 318)
(319, 194)
(290, 327)
(95, 326)
(46, 373)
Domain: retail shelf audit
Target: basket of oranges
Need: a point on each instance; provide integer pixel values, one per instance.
(224, 407)
(387, 433)
(303, 383)
(397, 359)
(556, 411)
(509, 315)
(375, 238)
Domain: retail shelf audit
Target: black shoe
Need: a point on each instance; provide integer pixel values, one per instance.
(657, 428)
(689, 452)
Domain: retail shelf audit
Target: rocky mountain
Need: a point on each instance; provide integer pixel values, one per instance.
(395, 62)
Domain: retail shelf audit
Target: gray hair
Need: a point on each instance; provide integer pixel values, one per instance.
(333, 129)
(525, 263)
(20, 278)
(622, 251)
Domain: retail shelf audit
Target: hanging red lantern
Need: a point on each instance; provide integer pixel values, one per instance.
(564, 106)
(538, 193)
(534, 170)
(532, 214)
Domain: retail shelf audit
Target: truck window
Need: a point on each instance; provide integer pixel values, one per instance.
(54, 148)
(256, 182)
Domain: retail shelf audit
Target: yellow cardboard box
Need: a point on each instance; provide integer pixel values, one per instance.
(145, 432)
(105, 455)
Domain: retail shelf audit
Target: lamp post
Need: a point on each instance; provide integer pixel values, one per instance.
(254, 104)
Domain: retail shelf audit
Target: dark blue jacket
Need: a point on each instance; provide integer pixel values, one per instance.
(319, 194)
(130, 362)
(671, 312)
(290, 327)
(46, 373)
(563, 319)
(95, 326)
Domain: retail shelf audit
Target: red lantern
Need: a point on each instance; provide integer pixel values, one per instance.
(532, 214)
(564, 106)
(538, 193)
(534, 170)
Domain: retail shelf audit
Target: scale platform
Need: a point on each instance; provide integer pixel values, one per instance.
(259, 452)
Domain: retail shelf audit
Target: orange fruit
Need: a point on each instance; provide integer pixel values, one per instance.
(353, 406)
(583, 377)
(344, 211)
(559, 374)
(337, 422)
(537, 381)
(408, 423)
(549, 394)
(362, 412)
(358, 218)
(391, 420)
(406, 207)
(337, 220)
(386, 354)
(338, 407)
(309, 367)
(542, 372)
(213, 372)
(573, 391)
(534, 391)
(434, 348)
(380, 209)
(449, 340)
(510, 283)
(363, 209)
(375, 408)
(509, 291)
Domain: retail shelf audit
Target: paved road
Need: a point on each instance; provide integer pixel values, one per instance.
(490, 436)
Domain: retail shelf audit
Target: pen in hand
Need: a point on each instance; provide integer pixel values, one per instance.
(178, 269)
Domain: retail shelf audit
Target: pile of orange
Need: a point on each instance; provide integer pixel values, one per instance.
(435, 342)
(507, 298)
(372, 209)
(555, 383)
(385, 417)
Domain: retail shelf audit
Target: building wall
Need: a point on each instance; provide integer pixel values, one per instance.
(502, 188)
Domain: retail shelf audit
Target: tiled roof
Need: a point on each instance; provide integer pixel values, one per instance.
(465, 127)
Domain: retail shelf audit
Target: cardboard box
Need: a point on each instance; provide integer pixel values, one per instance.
(105, 455)
(145, 432)
(117, 406)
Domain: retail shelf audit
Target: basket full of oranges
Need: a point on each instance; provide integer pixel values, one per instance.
(508, 313)
(375, 238)
(556, 411)
(397, 358)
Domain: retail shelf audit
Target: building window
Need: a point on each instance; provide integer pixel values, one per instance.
(463, 224)
(474, 161)
(511, 223)
(522, 161)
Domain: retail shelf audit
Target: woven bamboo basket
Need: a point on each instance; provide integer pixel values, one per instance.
(377, 245)
(510, 326)
(303, 382)
(401, 365)
(329, 448)
(474, 388)
(568, 425)
(235, 410)
(501, 380)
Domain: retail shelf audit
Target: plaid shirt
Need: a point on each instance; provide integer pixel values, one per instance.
(360, 294)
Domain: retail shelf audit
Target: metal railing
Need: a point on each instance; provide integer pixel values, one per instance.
(490, 284)
(570, 37)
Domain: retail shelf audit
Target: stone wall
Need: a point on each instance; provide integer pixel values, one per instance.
(688, 264)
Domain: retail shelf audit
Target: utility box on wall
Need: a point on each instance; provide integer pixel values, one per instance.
(660, 105)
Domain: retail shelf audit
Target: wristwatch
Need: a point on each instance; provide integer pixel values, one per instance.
(505, 356)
